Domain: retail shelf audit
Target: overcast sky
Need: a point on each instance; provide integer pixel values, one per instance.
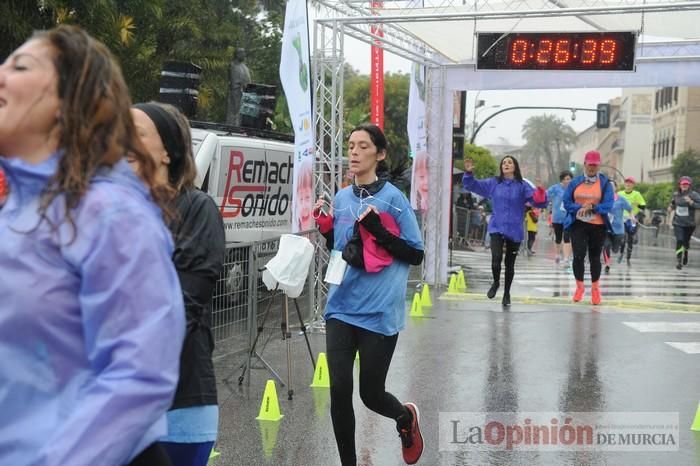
(507, 126)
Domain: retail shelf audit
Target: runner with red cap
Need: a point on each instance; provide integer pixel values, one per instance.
(683, 205)
(632, 219)
(588, 200)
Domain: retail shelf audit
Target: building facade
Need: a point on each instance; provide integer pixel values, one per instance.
(675, 119)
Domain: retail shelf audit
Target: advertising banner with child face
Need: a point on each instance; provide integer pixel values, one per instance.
(417, 138)
(295, 75)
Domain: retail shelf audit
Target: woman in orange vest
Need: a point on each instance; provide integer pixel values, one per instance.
(588, 200)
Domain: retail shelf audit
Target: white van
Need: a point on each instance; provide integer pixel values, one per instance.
(249, 176)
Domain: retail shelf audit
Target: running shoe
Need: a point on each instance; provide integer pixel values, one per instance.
(411, 438)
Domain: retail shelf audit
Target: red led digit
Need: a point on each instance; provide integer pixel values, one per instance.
(518, 51)
(588, 54)
(544, 53)
(562, 55)
(608, 51)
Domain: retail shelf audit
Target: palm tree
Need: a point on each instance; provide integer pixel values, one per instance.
(547, 137)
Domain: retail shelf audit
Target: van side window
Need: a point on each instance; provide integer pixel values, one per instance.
(205, 183)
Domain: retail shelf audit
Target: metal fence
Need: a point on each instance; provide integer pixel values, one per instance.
(469, 227)
(241, 298)
(661, 236)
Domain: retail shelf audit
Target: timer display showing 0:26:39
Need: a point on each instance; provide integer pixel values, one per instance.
(592, 52)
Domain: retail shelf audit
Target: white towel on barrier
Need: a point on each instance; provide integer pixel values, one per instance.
(290, 266)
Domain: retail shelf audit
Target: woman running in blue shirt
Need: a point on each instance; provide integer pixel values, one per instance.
(555, 195)
(509, 195)
(367, 310)
(616, 233)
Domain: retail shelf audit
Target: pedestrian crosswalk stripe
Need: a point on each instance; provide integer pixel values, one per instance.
(689, 347)
(665, 327)
(539, 276)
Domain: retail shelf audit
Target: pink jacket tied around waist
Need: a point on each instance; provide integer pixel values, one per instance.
(375, 256)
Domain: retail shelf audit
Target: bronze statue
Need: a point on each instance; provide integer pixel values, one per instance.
(239, 78)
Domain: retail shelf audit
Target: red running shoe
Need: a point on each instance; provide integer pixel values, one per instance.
(411, 438)
(595, 293)
(578, 294)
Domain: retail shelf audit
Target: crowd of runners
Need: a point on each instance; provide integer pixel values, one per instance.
(589, 216)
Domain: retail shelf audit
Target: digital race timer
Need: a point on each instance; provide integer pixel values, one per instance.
(597, 51)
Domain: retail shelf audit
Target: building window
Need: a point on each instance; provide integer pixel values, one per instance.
(666, 97)
(656, 104)
(673, 145)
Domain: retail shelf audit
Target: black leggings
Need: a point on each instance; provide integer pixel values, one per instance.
(587, 238)
(612, 244)
(342, 342)
(682, 235)
(512, 247)
(531, 236)
(628, 240)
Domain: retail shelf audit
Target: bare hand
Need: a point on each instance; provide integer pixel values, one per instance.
(364, 214)
(319, 204)
(468, 165)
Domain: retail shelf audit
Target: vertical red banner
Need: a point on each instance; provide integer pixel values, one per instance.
(376, 101)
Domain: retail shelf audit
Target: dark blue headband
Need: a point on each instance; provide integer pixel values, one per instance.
(168, 130)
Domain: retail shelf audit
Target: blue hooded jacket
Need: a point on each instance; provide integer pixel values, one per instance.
(91, 320)
(606, 203)
(508, 198)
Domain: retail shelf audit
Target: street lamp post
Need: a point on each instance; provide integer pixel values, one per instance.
(622, 176)
(473, 129)
(508, 109)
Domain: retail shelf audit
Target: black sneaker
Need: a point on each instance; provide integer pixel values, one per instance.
(411, 438)
(607, 269)
(492, 291)
(506, 300)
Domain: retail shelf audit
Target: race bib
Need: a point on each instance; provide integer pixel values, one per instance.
(682, 211)
(561, 207)
(611, 217)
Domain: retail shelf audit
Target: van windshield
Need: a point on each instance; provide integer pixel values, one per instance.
(196, 142)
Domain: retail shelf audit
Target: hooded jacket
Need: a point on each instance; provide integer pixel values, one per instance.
(508, 197)
(92, 320)
(199, 256)
(606, 202)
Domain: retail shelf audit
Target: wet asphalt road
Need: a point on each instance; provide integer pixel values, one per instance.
(469, 355)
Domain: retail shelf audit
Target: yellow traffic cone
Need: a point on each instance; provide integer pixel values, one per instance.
(461, 282)
(452, 287)
(696, 423)
(416, 308)
(268, 435)
(270, 407)
(212, 457)
(321, 378)
(425, 300)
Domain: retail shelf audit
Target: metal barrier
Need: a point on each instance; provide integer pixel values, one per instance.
(469, 227)
(661, 236)
(240, 297)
